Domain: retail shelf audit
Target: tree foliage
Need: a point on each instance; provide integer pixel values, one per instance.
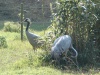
(79, 19)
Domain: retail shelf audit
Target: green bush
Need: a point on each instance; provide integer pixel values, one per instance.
(78, 19)
(3, 42)
(11, 26)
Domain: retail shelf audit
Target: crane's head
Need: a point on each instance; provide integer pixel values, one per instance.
(27, 20)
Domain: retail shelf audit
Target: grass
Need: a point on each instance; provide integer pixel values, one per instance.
(39, 26)
(19, 58)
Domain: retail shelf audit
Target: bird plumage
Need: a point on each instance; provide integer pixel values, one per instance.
(33, 39)
(62, 45)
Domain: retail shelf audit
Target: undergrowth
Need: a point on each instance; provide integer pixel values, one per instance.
(3, 42)
(11, 26)
(19, 58)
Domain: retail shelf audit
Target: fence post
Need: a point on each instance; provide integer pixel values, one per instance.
(21, 21)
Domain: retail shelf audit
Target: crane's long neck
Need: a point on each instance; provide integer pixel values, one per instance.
(27, 26)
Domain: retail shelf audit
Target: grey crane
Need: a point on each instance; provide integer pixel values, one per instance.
(61, 46)
(33, 39)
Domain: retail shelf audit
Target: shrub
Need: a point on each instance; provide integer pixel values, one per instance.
(11, 26)
(46, 59)
(78, 19)
(3, 42)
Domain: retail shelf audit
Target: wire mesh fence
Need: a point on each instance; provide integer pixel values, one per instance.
(36, 10)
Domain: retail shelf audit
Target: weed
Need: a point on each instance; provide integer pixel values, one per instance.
(3, 42)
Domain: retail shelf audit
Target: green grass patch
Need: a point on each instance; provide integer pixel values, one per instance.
(38, 26)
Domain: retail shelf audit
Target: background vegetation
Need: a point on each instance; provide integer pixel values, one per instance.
(79, 19)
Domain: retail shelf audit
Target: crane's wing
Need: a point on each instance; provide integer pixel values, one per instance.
(56, 41)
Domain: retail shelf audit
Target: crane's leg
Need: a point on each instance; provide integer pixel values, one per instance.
(76, 54)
